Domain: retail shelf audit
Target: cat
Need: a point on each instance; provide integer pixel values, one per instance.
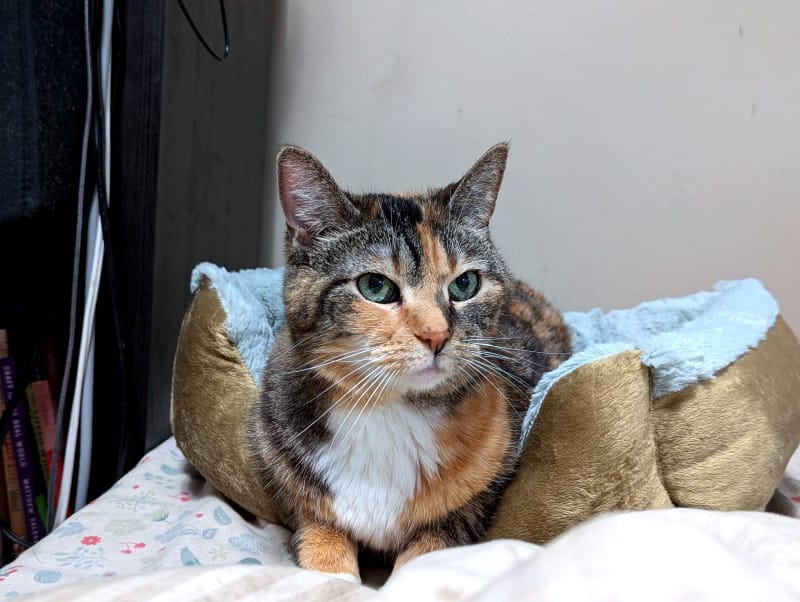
(393, 396)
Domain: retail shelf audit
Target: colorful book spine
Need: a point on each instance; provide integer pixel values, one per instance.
(22, 453)
(12, 500)
(43, 421)
(53, 368)
(16, 515)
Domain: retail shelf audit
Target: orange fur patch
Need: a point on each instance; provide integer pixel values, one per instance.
(472, 442)
(435, 257)
(396, 330)
(324, 549)
(381, 326)
(547, 324)
(421, 317)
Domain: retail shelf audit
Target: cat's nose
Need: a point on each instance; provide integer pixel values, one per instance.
(433, 339)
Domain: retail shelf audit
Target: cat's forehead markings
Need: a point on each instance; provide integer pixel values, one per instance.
(433, 253)
(401, 211)
(401, 216)
(397, 266)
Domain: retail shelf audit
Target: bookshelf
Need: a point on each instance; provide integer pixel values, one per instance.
(189, 188)
(41, 107)
(187, 180)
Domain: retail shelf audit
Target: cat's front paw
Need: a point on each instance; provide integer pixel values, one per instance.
(321, 548)
(424, 543)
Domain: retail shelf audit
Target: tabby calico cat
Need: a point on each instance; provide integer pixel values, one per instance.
(393, 397)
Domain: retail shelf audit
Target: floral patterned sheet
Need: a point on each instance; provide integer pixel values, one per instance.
(161, 514)
(164, 520)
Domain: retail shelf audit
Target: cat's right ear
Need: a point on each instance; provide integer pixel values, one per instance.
(476, 193)
(311, 199)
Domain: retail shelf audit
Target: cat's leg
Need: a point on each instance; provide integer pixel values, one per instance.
(324, 549)
(425, 542)
(462, 526)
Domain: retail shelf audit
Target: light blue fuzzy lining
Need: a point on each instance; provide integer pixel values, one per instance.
(254, 308)
(682, 340)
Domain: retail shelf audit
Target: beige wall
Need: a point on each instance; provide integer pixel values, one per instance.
(655, 145)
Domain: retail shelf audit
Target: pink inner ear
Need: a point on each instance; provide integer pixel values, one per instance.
(312, 202)
(288, 182)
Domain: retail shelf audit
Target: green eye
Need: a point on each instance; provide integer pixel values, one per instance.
(377, 288)
(465, 286)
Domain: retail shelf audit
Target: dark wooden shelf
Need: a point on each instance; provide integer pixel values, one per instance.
(189, 160)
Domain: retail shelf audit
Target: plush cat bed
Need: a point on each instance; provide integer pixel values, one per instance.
(693, 401)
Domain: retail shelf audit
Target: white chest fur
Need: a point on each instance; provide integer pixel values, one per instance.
(371, 465)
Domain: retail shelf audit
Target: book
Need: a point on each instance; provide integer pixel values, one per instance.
(16, 515)
(43, 421)
(53, 366)
(23, 454)
(4, 509)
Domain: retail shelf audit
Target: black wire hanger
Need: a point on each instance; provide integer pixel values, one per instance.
(200, 37)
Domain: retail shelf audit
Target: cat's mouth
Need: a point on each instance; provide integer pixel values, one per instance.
(430, 372)
(427, 377)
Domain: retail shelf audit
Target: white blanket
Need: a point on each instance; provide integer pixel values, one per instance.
(163, 534)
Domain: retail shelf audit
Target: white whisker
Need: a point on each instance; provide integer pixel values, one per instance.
(374, 395)
(336, 359)
(525, 386)
(392, 376)
(299, 342)
(480, 341)
(332, 406)
(366, 384)
(476, 368)
(520, 361)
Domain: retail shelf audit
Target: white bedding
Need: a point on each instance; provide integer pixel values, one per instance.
(162, 533)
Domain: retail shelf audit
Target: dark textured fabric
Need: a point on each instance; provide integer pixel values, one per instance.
(42, 99)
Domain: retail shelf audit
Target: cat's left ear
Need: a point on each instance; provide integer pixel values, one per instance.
(476, 193)
(312, 201)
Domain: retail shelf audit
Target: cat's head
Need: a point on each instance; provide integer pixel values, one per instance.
(387, 291)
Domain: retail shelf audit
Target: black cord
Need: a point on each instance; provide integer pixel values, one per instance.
(105, 224)
(200, 37)
(73, 319)
(20, 541)
(76, 269)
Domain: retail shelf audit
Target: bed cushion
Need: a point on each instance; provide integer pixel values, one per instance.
(160, 515)
(690, 401)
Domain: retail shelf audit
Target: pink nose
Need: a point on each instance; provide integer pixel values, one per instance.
(433, 339)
